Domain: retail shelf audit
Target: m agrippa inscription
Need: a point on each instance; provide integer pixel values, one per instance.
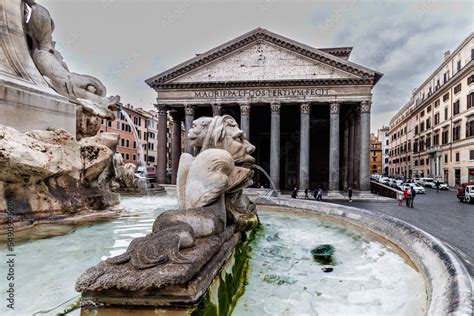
(262, 93)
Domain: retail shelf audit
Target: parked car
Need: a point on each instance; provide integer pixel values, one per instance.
(464, 196)
(384, 180)
(415, 180)
(468, 194)
(442, 185)
(395, 183)
(424, 181)
(418, 189)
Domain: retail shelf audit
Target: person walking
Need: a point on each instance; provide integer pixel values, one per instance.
(349, 193)
(406, 196)
(437, 186)
(294, 194)
(400, 198)
(413, 194)
(319, 195)
(306, 196)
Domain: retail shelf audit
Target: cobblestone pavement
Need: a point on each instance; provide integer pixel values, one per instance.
(440, 214)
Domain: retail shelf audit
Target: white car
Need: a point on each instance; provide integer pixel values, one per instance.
(468, 194)
(442, 185)
(384, 180)
(426, 181)
(418, 189)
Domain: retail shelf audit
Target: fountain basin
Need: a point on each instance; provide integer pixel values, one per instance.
(54, 276)
(448, 284)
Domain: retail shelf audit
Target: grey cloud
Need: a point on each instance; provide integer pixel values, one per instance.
(124, 42)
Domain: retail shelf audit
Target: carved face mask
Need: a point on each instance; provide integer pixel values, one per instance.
(222, 132)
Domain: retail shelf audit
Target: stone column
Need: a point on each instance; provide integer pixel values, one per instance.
(189, 118)
(305, 109)
(350, 158)
(356, 155)
(334, 146)
(175, 144)
(245, 119)
(364, 169)
(162, 143)
(216, 109)
(275, 145)
(345, 154)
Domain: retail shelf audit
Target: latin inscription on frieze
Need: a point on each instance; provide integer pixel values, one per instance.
(262, 93)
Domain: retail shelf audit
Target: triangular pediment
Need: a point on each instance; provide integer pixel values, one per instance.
(262, 61)
(261, 55)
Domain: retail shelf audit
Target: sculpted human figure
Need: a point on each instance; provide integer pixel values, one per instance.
(86, 90)
(209, 192)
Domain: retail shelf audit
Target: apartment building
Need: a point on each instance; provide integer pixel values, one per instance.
(375, 155)
(433, 134)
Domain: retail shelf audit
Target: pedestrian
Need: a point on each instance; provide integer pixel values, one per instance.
(349, 193)
(400, 198)
(319, 195)
(413, 194)
(306, 196)
(437, 186)
(315, 193)
(406, 196)
(295, 193)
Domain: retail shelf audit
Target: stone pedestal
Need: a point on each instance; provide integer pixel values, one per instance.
(223, 275)
(26, 100)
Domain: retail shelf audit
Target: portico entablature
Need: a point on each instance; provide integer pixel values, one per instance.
(265, 94)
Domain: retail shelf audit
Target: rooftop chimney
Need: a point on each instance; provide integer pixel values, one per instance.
(447, 54)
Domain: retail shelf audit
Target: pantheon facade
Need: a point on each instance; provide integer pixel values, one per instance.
(306, 110)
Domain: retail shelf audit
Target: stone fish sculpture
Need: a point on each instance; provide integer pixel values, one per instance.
(87, 91)
(212, 208)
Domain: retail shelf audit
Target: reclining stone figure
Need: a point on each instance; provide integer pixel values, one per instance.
(209, 193)
(86, 90)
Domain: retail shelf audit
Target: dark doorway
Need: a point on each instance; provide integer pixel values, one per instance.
(202, 111)
(260, 138)
(232, 110)
(319, 147)
(289, 146)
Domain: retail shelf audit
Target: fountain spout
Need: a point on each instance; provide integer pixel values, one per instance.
(273, 189)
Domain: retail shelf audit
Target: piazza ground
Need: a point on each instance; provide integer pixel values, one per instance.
(440, 214)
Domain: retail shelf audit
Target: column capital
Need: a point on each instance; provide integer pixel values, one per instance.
(244, 108)
(365, 106)
(216, 109)
(334, 108)
(189, 109)
(162, 109)
(275, 107)
(305, 108)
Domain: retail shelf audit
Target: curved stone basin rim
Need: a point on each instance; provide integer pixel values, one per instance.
(449, 285)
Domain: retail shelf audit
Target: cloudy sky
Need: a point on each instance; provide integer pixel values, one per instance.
(124, 42)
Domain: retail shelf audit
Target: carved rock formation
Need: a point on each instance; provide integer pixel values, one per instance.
(48, 173)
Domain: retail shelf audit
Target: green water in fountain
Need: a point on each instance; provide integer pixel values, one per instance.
(368, 277)
(284, 278)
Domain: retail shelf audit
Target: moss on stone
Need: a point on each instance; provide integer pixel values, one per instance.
(231, 285)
